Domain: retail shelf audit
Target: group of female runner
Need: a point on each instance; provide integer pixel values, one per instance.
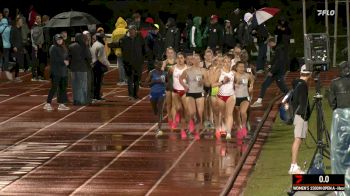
(213, 93)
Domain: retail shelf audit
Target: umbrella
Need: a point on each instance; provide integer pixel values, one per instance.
(72, 19)
(265, 13)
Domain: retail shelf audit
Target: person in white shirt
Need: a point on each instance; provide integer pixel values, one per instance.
(100, 64)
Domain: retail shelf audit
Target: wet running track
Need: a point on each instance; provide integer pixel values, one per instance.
(107, 148)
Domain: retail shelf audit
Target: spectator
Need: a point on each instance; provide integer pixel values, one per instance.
(215, 34)
(229, 41)
(90, 74)
(148, 26)
(276, 73)
(339, 101)
(244, 30)
(172, 36)
(283, 33)
(154, 46)
(119, 32)
(301, 116)
(137, 20)
(17, 46)
(133, 49)
(6, 14)
(59, 74)
(5, 28)
(38, 57)
(32, 16)
(196, 35)
(47, 39)
(26, 39)
(261, 34)
(80, 60)
(99, 60)
(185, 36)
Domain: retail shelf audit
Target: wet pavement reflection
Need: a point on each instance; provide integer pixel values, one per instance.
(105, 149)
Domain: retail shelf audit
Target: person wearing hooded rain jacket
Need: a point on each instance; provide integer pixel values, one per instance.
(80, 60)
(118, 33)
(5, 30)
(196, 35)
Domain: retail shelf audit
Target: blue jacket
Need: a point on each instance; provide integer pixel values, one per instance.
(5, 29)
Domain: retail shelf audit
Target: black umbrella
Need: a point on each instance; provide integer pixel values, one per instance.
(72, 19)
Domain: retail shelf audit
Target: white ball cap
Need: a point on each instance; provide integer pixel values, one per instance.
(304, 70)
(247, 16)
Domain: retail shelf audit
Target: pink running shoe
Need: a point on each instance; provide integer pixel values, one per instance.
(183, 134)
(239, 134)
(218, 134)
(170, 123)
(173, 125)
(177, 118)
(223, 133)
(244, 132)
(191, 126)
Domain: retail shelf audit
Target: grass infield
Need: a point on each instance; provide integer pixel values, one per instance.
(270, 175)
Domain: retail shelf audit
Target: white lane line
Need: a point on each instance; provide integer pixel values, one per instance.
(171, 168)
(78, 141)
(4, 95)
(52, 124)
(38, 95)
(33, 108)
(28, 91)
(9, 82)
(115, 159)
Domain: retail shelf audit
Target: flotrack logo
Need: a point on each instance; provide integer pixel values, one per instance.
(325, 12)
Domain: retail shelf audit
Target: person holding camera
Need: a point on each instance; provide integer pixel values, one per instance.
(340, 135)
(301, 116)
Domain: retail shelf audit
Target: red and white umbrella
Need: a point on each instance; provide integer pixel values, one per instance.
(265, 13)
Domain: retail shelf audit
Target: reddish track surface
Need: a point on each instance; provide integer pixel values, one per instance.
(107, 148)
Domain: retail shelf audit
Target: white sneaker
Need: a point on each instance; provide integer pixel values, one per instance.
(228, 136)
(62, 107)
(295, 169)
(34, 79)
(159, 133)
(256, 104)
(48, 107)
(8, 75)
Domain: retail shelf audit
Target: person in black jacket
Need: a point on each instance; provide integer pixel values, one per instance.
(17, 46)
(300, 101)
(172, 36)
(262, 34)
(80, 60)
(154, 46)
(339, 91)
(215, 34)
(59, 74)
(229, 40)
(276, 72)
(133, 50)
(283, 33)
